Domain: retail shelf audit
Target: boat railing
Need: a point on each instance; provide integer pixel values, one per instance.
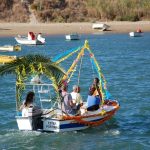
(44, 91)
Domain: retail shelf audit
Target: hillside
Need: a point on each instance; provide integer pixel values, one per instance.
(74, 10)
(13, 11)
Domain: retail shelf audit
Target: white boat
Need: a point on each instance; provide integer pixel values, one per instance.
(135, 34)
(54, 118)
(31, 39)
(100, 26)
(73, 36)
(10, 48)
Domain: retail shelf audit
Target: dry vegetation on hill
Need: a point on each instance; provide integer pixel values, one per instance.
(74, 10)
(13, 11)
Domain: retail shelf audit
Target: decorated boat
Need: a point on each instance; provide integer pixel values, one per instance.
(31, 39)
(10, 48)
(73, 36)
(44, 77)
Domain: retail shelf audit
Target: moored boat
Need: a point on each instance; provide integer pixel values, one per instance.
(10, 48)
(73, 36)
(100, 26)
(6, 59)
(138, 33)
(135, 34)
(31, 39)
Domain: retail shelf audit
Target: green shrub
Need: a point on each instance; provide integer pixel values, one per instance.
(130, 18)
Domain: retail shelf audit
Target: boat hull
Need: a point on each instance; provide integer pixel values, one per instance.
(135, 34)
(6, 59)
(10, 48)
(7, 48)
(25, 41)
(100, 26)
(24, 123)
(72, 37)
(61, 123)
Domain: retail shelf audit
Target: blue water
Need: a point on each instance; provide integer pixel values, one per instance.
(125, 62)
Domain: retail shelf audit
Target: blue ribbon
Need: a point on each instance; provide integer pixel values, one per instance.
(56, 58)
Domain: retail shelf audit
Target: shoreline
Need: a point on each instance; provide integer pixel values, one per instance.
(13, 29)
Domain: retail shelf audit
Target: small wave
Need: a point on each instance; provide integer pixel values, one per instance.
(112, 132)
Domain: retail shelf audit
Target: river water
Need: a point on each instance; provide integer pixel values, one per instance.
(125, 63)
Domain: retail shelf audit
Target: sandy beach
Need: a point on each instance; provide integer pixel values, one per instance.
(13, 29)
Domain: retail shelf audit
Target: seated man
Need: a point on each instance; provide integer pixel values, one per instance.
(67, 104)
(76, 97)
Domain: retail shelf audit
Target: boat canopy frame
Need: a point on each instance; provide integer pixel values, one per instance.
(95, 66)
(20, 85)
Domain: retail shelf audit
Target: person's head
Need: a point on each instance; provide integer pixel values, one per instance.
(64, 87)
(96, 80)
(76, 88)
(29, 98)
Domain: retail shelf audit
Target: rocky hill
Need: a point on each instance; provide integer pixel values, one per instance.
(73, 10)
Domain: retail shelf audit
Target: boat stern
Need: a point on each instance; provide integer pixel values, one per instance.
(24, 123)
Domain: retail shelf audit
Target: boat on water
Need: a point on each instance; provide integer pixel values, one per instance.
(135, 34)
(31, 39)
(6, 59)
(54, 118)
(10, 48)
(138, 33)
(100, 26)
(73, 36)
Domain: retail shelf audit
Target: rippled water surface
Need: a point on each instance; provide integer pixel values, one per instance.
(125, 62)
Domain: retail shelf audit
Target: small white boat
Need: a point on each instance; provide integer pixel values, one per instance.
(10, 48)
(135, 34)
(100, 26)
(138, 33)
(31, 39)
(73, 36)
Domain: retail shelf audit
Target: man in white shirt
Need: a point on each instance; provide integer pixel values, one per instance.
(76, 97)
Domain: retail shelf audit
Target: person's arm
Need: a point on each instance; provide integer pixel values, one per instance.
(79, 99)
(99, 92)
(91, 90)
(70, 100)
(22, 106)
(34, 111)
